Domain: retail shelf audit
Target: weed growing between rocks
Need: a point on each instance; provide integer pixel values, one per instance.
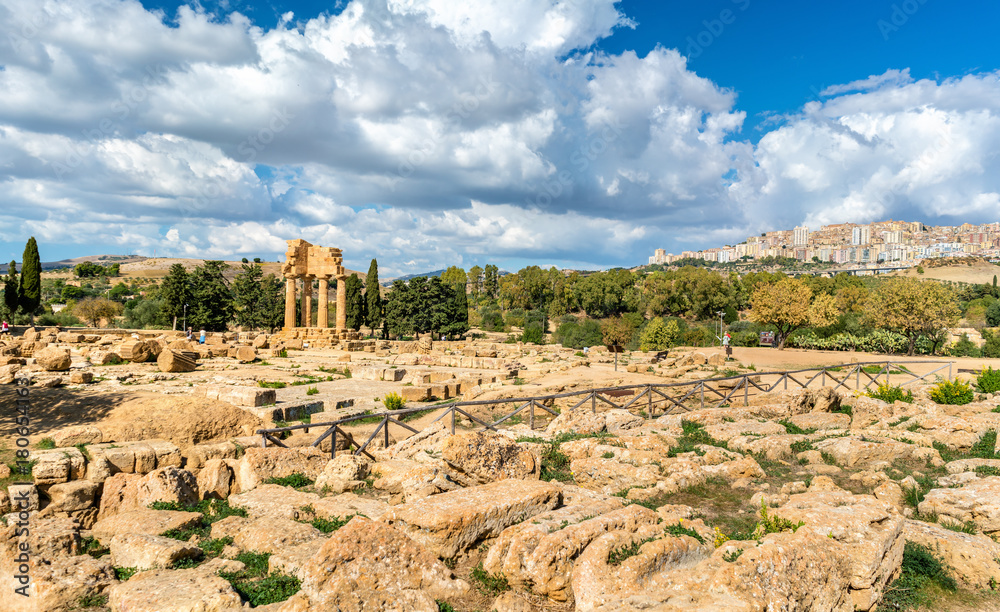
(792, 428)
(211, 510)
(679, 529)
(889, 394)
(329, 525)
(555, 463)
(487, 583)
(92, 601)
(90, 546)
(920, 570)
(295, 480)
(271, 384)
(617, 555)
(124, 573)
(768, 523)
(254, 584)
(693, 435)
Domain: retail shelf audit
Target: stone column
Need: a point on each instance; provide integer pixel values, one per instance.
(341, 304)
(323, 314)
(307, 294)
(290, 301)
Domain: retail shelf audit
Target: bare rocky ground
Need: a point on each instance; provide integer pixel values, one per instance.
(149, 489)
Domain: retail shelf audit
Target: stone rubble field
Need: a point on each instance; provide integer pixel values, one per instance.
(804, 499)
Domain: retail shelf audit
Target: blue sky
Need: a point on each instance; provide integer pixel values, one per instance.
(580, 134)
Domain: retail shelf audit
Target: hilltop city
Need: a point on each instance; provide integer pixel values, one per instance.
(884, 242)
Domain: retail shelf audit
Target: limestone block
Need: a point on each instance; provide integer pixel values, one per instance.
(488, 457)
(977, 502)
(163, 589)
(450, 523)
(53, 359)
(368, 564)
(260, 464)
(145, 521)
(415, 394)
(214, 480)
(71, 496)
(274, 501)
(149, 551)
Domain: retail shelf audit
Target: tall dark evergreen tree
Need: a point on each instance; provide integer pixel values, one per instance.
(458, 312)
(29, 293)
(397, 310)
(248, 297)
(355, 302)
(176, 292)
(10, 287)
(273, 307)
(212, 301)
(373, 298)
(491, 281)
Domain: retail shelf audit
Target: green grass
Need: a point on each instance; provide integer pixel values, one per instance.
(295, 481)
(618, 555)
(92, 601)
(312, 391)
(271, 384)
(792, 428)
(921, 570)
(487, 583)
(801, 446)
(732, 556)
(330, 525)
(212, 511)
(258, 587)
(90, 546)
(679, 529)
(966, 527)
(45, 444)
(124, 573)
(693, 435)
(987, 470)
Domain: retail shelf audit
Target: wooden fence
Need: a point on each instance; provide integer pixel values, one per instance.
(668, 398)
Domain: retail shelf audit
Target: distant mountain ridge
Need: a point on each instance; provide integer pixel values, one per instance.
(104, 260)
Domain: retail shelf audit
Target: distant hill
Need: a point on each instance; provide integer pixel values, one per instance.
(104, 260)
(155, 268)
(412, 276)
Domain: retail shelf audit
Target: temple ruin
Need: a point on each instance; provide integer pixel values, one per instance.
(305, 263)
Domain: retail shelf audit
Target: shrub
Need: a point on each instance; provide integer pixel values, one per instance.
(988, 380)
(579, 334)
(312, 391)
(952, 392)
(533, 333)
(964, 347)
(394, 401)
(888, 393)
(920, 569)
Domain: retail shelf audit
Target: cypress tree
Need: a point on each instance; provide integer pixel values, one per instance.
(10, 289)
(30, 290)
(176, 292)
(373, 297)
(355, 303)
